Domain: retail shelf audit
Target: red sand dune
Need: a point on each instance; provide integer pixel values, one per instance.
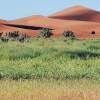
(28, 32)
(3, 21)
(82, 28)
(78, 13)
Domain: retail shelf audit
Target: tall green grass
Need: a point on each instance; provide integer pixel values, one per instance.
(58, 59)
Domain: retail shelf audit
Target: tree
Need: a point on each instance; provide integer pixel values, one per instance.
(93, 32)
(69, 34)
(4, 39)
(46, 33)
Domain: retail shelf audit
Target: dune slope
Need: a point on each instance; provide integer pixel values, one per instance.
(78, 13)
(82, 29)
(3, 21)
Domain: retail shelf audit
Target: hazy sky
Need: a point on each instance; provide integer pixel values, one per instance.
(12, 9)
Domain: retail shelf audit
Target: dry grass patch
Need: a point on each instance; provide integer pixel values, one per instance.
(50, 90)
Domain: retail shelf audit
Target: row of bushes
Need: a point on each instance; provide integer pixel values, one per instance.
(45, 32)
(14, 36)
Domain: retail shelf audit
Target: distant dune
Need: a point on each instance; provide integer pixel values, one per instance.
(3, 21)
(78, 13)
(82, 27)
(26, 20)
(28, 32)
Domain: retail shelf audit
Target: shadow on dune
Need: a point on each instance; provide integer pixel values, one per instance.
(25, 27)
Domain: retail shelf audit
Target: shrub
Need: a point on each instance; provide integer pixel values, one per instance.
(69, 34)
(4, 39)
(93, 32)
(1, 34)
(46, 33)
(21, 38)
(14, 36)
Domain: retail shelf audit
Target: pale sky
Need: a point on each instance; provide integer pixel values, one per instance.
(12, 9)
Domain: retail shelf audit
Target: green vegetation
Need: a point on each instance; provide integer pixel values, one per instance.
(57, 59)
(69, 34)
(13, 36)
(46, 33)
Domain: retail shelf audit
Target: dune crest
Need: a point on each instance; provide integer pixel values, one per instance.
(3, 21)
(78, 13)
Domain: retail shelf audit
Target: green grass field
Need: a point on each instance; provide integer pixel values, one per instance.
(57, 59)
(50, 69)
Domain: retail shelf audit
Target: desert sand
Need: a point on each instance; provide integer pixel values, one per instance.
(81, 20)
(3, 21)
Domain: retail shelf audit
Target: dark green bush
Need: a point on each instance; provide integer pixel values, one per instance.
(21, 38)
(4, 39)
(69, 34)
(46, 33)
(14, 36)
